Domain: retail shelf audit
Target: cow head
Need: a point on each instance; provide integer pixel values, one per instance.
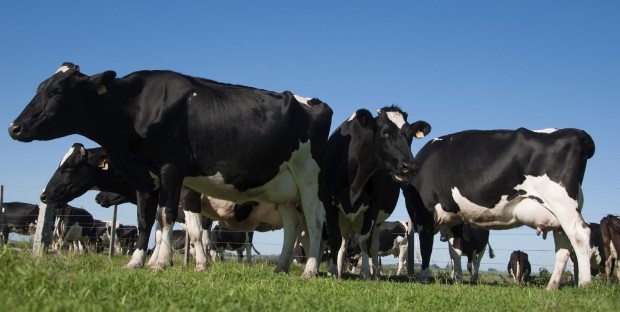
(108, 199)
(393, 138)
(77, 173)
(59, 105)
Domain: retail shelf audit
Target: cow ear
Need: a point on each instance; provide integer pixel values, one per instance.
(101, 82)
(419, 129)
(103, 163)
(365, 118)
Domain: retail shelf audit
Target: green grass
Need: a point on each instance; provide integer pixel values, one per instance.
(92, 282)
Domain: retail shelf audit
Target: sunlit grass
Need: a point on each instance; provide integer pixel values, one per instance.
(93, 282)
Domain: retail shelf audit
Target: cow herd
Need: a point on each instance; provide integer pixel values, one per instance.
(192, 150)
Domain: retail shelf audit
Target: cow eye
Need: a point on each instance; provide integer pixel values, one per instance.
(385, 133)
(54, 92)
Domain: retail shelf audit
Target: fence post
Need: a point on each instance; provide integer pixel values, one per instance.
(113, 234)
(2, 239)
(43, 234)
(186, 253)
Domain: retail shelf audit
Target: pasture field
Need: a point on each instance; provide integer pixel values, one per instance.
(93, 282)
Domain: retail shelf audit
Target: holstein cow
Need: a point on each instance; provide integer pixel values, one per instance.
(223, 239)
(519, 266)
(501, 179)
(597, 251)
(172, 130)
(368, 159)
(473, 245)
(75, 225)
(610, 233)
(392, 241)
(17, 217)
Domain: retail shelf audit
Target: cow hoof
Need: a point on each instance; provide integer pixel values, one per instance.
(133, 266)
(309, 274)
(200, 268)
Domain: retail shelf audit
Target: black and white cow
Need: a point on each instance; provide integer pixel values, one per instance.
(74, 225)
(17, 217)
(519, 266)
(473, 245)
(392, 241)
(501, 179)
(172, 130)
(223, 239)
(610, 233)
(127, 236)
(368, 159)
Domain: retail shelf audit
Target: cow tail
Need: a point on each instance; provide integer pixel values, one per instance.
(256, 251)
(491, 252)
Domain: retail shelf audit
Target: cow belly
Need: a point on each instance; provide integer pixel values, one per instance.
(506, 214)
(299, 171)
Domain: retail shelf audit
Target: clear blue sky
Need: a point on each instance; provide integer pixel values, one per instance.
(456, 64)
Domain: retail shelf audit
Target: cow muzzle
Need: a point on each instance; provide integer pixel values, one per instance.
(405, 172)
(16, 132)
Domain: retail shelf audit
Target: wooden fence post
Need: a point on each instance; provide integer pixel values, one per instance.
(113, 234)
(43, 233)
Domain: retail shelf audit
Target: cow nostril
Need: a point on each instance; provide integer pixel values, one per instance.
(15, 129)
(43, 198)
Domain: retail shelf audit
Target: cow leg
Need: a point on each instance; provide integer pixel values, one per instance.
(158, 234)
(146, 212)
(335, 240)
(292, 225)
(315, 217)
(342, 249)
(194, 229)
(576, 230)
(163, 257)
(562, 253)
(426, 249)
(402, 256)
(410, 248)
(457, 271)
(248, 245)
(473, 266)
(376, 269)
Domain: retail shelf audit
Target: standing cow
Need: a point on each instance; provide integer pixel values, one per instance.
(473, 245)
(610, 233)
(501, 179)
(519, 266)
(223, 239)
(17, 217)
(392, 241)
(227, 141)
(368, 160)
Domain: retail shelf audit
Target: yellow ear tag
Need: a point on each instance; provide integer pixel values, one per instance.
(101, 90)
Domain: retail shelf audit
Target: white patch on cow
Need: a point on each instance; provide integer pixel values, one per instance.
(397, 118)
(436, 140)
(62, 69)
(301, 99)
(352, 116)
(521, 210)
(194, 94)
(67, 155)
(155, 180)
(547, 130)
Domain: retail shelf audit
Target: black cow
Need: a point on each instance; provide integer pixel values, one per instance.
(392, 241)
(17, 217)
(502, 179)
(610, 233)
(171, 129)
(519, 266)
(223, 239)
(368, 159)
(473, 245)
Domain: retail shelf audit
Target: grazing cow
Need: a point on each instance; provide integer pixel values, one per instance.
(473, 245)
(368, 159)
(99, 236)
(74, 225)
(519, 266)
(501, 179)
(171, 130)
(17, 217)
(223, 239)
(392, 241)
(610, 233)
